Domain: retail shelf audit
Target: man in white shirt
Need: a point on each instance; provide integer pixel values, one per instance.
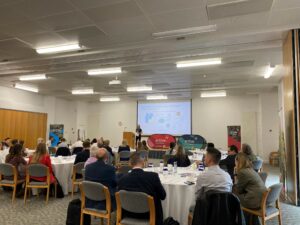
(49, 142)
(213, 178)
(63, 143)
(77, 144)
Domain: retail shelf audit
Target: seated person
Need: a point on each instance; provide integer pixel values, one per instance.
(104, 174)
(63, 143)
(248, 151)
(144, 145)
(172, 150)
(180, 157)
(84, 154)
(139, 146)
(214, 178)
(63, 149)
(124, 147)
(140, 181)
(41, 156)
(108, 148)
(93, 153)
(77, 144)
(249, 187)
(15, 158)
(229, 161)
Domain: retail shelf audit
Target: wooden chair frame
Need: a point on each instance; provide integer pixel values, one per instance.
(74, 181)
(47, 186)
(151, 209)
(93, 213)
(262, 211)
(15, 183)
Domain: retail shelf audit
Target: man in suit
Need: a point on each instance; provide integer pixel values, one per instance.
(140, 181)
(104, 174)
(85, 154)
(229, 161)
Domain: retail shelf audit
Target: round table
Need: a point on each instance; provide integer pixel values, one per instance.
(63, 169)
(180, 196)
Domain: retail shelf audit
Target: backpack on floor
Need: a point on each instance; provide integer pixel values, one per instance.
(73, 214)
(171, 221)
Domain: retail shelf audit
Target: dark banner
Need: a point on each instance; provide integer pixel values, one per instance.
(160, 141)
(57, 132)
(192, 141)
(234, 136)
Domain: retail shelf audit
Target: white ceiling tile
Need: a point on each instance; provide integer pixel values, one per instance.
(179, 19)
(23, 28)
(65, 21)
(123, 10)
(43, 39)
(83, 4)
(42, 8)
(10, 14)
(285, 4)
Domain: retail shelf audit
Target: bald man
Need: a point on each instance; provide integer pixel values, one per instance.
(101, 173)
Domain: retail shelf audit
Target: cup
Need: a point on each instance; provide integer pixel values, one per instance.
(170, 168)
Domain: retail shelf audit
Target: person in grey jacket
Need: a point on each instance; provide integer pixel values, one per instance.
(249, 187)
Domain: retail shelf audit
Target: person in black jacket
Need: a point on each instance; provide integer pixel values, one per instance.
(84, 154)
(180, 157)
(229, 161)
(147, 182)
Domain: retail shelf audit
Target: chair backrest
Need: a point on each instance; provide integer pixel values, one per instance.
(37, 170)
(274, 193)
(93, 190)
(6, 169)
(257, 164)
(144, 154)
(124, 169)
(77, 150)
(124, 154)
(77, 168)
(135, 202)
(83, 173)
(63, 151)
(263, 176)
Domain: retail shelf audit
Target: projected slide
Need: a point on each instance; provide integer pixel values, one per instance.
(165, 117)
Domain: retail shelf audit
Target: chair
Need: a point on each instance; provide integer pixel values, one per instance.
(77, 150)
(8, 170)
(83, 174)
(269, 205)
(38, 170)
(257, 164)
(123, 154)
(97, 192)
(144, 154)
(63, 151)
(77, 169)
(135, 202)
(263, 176)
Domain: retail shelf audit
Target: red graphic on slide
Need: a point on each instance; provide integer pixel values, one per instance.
(160, 141)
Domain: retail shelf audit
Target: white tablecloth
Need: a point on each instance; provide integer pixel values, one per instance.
(3, 154)
(180, 196)
(62, 169)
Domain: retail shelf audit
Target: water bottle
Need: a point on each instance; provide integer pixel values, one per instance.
(161, 166)
(175, 167)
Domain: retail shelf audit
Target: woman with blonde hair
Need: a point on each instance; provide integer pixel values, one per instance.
(42, 157)
(249, 187)
(124, 147)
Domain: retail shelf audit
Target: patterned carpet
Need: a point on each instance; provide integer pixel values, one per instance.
(36, 212)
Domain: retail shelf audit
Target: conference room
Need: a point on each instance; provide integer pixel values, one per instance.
(148, 111)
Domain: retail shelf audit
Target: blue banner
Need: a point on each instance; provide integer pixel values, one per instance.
(57, 132)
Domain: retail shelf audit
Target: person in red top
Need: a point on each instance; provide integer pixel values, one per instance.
(41, 156)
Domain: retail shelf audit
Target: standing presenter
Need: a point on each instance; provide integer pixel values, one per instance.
(138, 134)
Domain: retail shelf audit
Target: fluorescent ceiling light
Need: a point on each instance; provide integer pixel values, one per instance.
(104, 71)
(184, 32)
(157, 97)
(139, 88)
(114, 82)
(33, 77)
(212, 94)
(26, 87)
(56, 49)
(199, 62)
(109, 99)
(269, 72)
(83, 92)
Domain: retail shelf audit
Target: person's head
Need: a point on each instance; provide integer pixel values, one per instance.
(179, 151)
(94, 150)
(16, 150)
(40, 151)
(144, 143)
(212, 157)
(232, 150)
(7, 141)
(210, 145)
(51, 138)
(40, 140)
(172, 145)
(14, 142)
(139, 145)
(102, 154)
(106, 142)
(242, 161)
(94, 141)
(86, 144)
(21, 142)
(124, 143)
(63, 140)
(247, 149)
(136, 160)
